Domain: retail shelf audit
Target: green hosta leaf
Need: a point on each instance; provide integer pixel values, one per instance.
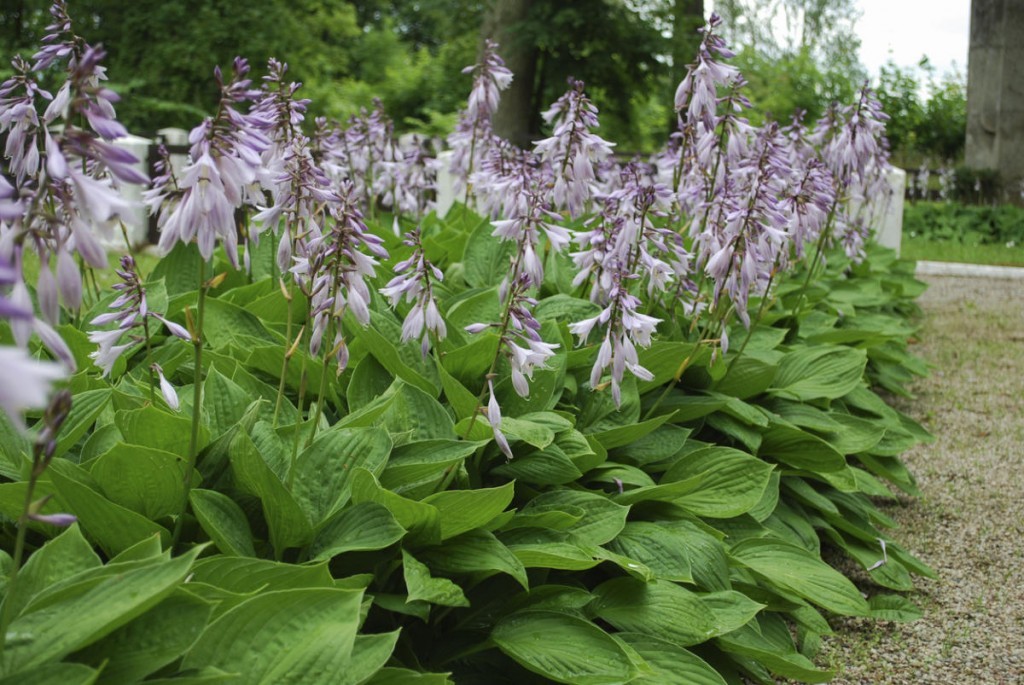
(795, 570)
(224, 402)
(289, 526)
(405, 676)
(486, 258)
(369, 654)
(537, 548)
(477, 551)
(624, 435)
(660, 444)
(60, 558)
(87, 612)
(530, 432)
(464, 510)
(459, 397)
(777, 655)
(670, 664)
(550, 466)
(113, 527)
(662, 609)
(320, 483)
(602, 519)
(731, 482)
(422, 520)
(54, 674)
(144, 479)
(226, 324)
(800, 449)
(749, 374)
(244, 574)
(224, 521)
(362, 527)
(894, 608)
(153, 427)
(179, 269)
(660, 549)
(369, 381)
(415, 415)
(563, 648)
(149, 642)
(554, 517)
(384, 350)
(422, 586)
(288, 636)
(417, 468)
(666, 492)
(731, 609)
(663, 359)
(84, 411)
(820, 372)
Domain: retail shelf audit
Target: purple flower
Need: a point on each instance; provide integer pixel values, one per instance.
(413, 283)
(572, 150)
(167, 390)
(25, 382)
(223, 173)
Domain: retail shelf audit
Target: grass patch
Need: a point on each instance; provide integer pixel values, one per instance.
(918, 248)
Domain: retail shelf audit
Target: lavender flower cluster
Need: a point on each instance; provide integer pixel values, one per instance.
(695, 233)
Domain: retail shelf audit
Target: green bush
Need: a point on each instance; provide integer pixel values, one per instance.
(964, 224)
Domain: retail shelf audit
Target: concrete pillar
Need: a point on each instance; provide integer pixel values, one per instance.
(995, 92)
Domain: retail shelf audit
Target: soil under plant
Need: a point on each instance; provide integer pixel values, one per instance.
(970, 521)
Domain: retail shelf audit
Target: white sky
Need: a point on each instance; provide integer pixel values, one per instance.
(908, 29)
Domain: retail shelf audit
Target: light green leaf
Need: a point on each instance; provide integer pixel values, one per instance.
(416, 468)
(84, 411)
(60, 558)
(819, 372)
(800, 449)
(731, 482)
(662, 609)
(624, 435)
(486, 258)
(149, 642)
(478, 552)
(563, 648)
(422, 586)
(362, 527)
(113, 527)
(671, 664)
(660, 549)
(224, 521)
(244, 574)
(464, 510)
(289, 526)
(146, 480)
(89, 611)
(54, 674)
(369, 654)
(320, 483)
(422, 520)
(288, 636)
(153, 427)
(602, 519)
(794, 569)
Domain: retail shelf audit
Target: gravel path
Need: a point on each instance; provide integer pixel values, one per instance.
(969, 524)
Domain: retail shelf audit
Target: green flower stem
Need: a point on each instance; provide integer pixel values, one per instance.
(750, 331)
(287, 353)
(197, 404)
(19, 553)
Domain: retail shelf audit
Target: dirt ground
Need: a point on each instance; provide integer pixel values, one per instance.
(969, 524)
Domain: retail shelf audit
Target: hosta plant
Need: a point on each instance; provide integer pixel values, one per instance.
(594, 425)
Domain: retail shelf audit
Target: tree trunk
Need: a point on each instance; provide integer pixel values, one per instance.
(995, 98)
(503, 24)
